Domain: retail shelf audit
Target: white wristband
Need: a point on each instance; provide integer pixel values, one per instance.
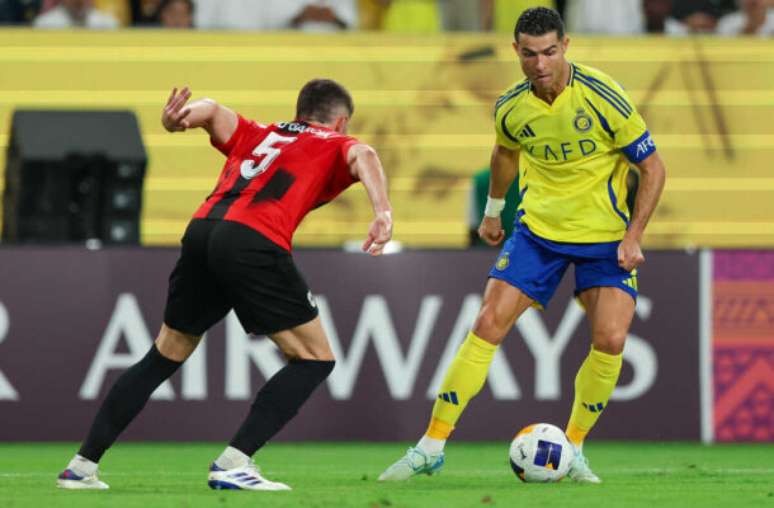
(494, 207)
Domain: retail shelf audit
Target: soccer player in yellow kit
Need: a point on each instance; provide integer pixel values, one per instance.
(571, 132)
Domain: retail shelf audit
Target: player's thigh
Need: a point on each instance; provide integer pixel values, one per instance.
(526, 273)
(502, 305)
(610, 311)
(530, 266)
(195, 300)
(268, 292)
(304, 342)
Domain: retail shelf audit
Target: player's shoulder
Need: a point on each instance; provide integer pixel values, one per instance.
(244, 123)
(511, 97)
(592, 74)
(602, 90)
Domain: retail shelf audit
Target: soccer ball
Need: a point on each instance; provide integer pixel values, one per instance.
(541, 453)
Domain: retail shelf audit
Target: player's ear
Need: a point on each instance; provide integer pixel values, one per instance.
(565, 43)
(341, 124)
(515, 45)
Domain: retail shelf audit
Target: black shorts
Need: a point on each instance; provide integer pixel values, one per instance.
(225, 265)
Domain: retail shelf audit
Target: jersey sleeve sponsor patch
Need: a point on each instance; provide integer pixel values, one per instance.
(640, 149)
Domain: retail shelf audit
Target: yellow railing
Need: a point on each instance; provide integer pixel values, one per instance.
(425, 103)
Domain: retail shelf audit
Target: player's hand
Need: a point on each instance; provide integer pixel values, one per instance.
(174, 113)
(629, 253)
(379, 233)
(491, 230)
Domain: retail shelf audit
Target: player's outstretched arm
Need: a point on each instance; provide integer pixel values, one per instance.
(219, 121)
(504, 165)
(652, 178)
(365, 165)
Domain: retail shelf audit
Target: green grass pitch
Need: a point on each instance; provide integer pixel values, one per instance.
(150, 475)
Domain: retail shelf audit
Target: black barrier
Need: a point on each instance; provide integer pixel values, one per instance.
(73, 176)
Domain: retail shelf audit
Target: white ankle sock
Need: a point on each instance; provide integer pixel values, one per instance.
(82, 466)
(430, 445)
(231, 458)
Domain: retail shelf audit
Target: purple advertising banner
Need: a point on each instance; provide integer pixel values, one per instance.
(743, 345)
(72, 319)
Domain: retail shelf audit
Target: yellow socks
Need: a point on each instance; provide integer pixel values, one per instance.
(594, 384)
(464, 379)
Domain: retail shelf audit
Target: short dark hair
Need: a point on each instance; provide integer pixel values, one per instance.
(319, 99)
(539, 21)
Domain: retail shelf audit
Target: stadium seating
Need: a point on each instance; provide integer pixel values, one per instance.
(425, 104)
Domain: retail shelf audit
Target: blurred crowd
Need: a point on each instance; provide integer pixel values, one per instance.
(612, 17)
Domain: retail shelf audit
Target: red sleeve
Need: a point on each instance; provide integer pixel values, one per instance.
(342, 176)
(345, 146)
(244, 127)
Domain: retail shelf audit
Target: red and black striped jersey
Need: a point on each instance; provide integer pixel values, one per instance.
(275, 174)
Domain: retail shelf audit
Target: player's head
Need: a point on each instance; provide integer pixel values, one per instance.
(326, 102)
(540, 43)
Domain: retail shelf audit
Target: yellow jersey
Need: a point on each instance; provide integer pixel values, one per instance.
(574, 155)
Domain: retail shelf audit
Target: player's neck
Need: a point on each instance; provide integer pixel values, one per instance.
(549, 94)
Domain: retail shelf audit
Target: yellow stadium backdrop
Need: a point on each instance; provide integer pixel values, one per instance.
(425, 103)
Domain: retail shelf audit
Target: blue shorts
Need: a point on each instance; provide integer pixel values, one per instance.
(536, 265)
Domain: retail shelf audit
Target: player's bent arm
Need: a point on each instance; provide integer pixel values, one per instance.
(364, 164)
(219, 121)
(504, 164)
(652, 178)
(503, 167)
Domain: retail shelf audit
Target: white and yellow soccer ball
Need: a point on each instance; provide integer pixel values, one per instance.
(541, 453)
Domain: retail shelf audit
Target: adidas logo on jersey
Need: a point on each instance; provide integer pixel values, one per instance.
(527, 132)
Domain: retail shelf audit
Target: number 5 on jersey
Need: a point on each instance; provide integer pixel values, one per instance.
(269, 150)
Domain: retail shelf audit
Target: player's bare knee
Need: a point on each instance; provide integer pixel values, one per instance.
(318, 355)
(175, 345)
(301, 351)
(610, 341)
(489, 328)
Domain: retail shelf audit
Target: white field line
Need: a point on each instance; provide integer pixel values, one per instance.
(618, 471)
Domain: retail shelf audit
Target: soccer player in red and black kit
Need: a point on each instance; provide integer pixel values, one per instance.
(236, 255)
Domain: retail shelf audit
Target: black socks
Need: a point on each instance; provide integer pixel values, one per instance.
(275, 404)
(125, 400)
(278, 402)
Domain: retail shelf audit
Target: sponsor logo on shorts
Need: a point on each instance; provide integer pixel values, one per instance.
(631, 281)
(502, 262)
